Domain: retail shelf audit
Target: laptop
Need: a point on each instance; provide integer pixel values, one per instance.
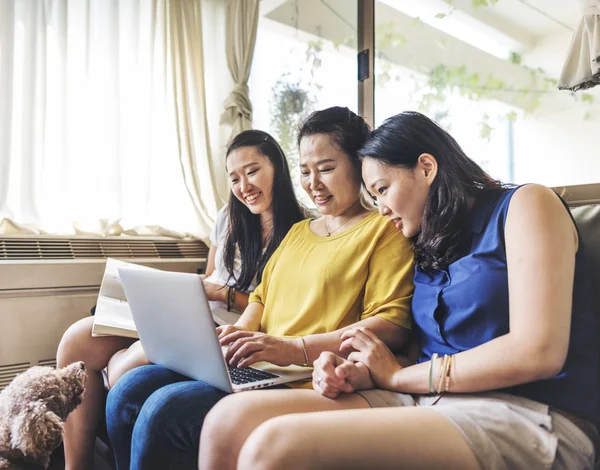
(174, 322)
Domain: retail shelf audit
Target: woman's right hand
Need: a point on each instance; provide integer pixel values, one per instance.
(333, 375)
(225, 331)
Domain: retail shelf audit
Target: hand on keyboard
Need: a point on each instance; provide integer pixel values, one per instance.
(247, 347)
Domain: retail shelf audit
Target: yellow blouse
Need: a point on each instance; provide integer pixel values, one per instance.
(315, 284)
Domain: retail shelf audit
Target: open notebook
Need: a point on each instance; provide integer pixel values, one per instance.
(113, 315)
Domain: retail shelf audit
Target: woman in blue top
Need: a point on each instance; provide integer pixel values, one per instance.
(507, 377)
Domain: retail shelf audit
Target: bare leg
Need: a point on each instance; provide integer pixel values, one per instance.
(77, 344)
(233, 419)
(384, 438)
(125, 360)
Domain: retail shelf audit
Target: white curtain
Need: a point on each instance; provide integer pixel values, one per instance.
(582, 66)
(242, 25)
(92, 137)
(204, 174)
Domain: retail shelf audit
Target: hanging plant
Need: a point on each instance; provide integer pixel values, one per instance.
(294, 99)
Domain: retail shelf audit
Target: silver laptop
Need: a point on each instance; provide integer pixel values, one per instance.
(176, 328)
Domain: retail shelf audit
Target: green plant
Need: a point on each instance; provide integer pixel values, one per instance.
(435, 85)
(294, 99)
(290, 104)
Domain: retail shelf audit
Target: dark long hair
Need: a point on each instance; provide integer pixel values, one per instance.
(347, 130)
(245, 231)
(399, 142)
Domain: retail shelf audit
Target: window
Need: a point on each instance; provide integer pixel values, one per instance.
(304, 60)
(486, 71)
(87, 127)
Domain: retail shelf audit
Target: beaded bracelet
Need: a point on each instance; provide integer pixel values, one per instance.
(305, 352)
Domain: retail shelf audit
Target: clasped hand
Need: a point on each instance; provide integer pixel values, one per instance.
(370, 364)
(244, 347)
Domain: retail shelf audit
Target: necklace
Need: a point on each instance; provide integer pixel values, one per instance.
(329, 232)
(332, 231)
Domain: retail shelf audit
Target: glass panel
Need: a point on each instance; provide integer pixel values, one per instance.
(304, 60)
(486, 70)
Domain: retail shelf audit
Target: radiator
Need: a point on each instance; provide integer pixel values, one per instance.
(48, 283)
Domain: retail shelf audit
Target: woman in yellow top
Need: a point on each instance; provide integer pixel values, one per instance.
(347, 266)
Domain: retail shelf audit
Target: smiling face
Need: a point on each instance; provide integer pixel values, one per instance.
(251, 176)
(328, 175)
(400, 193)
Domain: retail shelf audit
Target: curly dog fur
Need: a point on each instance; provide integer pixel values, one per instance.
(32, 412)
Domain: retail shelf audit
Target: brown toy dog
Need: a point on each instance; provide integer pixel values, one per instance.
(32, 412)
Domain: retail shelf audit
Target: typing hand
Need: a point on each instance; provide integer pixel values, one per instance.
(247, 347)
(226, 331)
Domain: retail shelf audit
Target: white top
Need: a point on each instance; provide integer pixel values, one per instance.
(220, 275)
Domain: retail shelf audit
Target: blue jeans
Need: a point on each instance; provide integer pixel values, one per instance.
(154, 417)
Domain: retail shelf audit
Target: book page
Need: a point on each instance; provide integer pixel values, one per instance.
(113, 315)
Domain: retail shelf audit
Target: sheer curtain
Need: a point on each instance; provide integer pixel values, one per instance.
(90, 135)
(242, 25)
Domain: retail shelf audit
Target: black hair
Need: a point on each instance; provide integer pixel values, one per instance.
(399, 141)
(245, 231)
(347, 130)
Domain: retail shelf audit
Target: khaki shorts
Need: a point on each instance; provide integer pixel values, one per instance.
(505, 431)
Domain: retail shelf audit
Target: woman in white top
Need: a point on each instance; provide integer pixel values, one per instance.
(247, 232)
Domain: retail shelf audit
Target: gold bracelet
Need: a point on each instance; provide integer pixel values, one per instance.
(447, 388)
(442, 374)
(304, 350)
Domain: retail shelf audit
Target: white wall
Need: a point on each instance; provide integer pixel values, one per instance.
(558, 149)
(557, 145)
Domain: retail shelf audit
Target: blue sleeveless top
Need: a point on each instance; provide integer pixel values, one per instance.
(467, 305)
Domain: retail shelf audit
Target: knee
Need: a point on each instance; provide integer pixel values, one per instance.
(163, 410)
(74, 344)
(169, 419)
(125, 400)
(227, 417)
(273, 446)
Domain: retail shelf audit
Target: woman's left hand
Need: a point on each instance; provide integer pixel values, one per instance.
(215, 292)
(373, 353)
(248, 347)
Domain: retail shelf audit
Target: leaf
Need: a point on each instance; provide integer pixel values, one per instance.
(440, 15)
(486, 131)
(587, 98)
(484, 3)
(515, 58)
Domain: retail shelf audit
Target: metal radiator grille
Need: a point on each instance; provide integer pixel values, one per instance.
(85, 248)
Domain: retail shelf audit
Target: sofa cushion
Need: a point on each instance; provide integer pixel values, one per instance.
(588, 221)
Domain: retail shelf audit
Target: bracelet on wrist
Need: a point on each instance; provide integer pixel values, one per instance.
(230, 298)
(304, 351)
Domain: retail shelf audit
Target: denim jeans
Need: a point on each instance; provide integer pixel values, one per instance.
(154, 417)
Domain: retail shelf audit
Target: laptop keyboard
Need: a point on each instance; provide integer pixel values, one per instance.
(248, 375)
